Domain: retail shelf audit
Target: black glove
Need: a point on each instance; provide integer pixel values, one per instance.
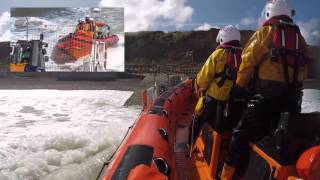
(239, 93)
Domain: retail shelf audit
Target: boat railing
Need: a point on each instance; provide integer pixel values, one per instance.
(97, 62)
(149, 96)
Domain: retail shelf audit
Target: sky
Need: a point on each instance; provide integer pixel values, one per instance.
(184, 15)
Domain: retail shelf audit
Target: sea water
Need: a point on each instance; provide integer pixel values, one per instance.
(58, 134)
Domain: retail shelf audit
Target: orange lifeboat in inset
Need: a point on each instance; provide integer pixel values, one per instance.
(76, 45)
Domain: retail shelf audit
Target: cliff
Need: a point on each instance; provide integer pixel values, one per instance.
(186, 48)
(173, 47)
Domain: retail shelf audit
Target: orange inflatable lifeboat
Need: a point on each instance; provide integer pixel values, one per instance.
(79, 44)
(157, 146)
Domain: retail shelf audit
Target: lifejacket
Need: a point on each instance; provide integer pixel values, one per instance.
(232, 64)
(287, 46)
(81, 33)
(80, 26)
(92, 26)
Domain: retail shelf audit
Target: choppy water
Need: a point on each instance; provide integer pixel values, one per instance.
(56, 23)
(55, 134)
(311, 100)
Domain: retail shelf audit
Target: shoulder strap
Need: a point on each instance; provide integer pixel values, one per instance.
(225, 74)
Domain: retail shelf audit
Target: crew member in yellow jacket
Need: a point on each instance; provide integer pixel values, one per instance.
(89, 26)
(274, 62)
(216, 78)
(80, 25)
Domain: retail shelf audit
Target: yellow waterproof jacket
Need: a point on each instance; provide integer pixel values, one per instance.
(86, 27)
(206, 77)
(79, 27)
(256, 53)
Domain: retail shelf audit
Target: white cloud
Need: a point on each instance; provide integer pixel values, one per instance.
(315, 33)
(311, 31)
(206, 27)
(248, 21)
(141, 15)
(5, 26)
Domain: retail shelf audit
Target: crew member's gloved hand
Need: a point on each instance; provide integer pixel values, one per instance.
(238, 93)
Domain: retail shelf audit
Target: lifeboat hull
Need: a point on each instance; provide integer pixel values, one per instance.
(153, 141)
(72, 47)
(75, 47)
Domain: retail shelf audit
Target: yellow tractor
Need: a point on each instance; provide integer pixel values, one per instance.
(28, 56)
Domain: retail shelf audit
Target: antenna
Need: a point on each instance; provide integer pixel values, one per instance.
(27, 28)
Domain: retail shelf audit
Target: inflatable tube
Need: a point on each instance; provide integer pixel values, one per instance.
(148, 151)
(100, 24)
(74, 46)
(110, 40)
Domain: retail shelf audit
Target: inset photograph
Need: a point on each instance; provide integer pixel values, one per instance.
(67, 40)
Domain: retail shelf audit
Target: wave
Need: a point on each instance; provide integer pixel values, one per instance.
(57, 134)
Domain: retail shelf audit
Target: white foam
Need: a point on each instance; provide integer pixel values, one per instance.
(40, 22)
(54, 134)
